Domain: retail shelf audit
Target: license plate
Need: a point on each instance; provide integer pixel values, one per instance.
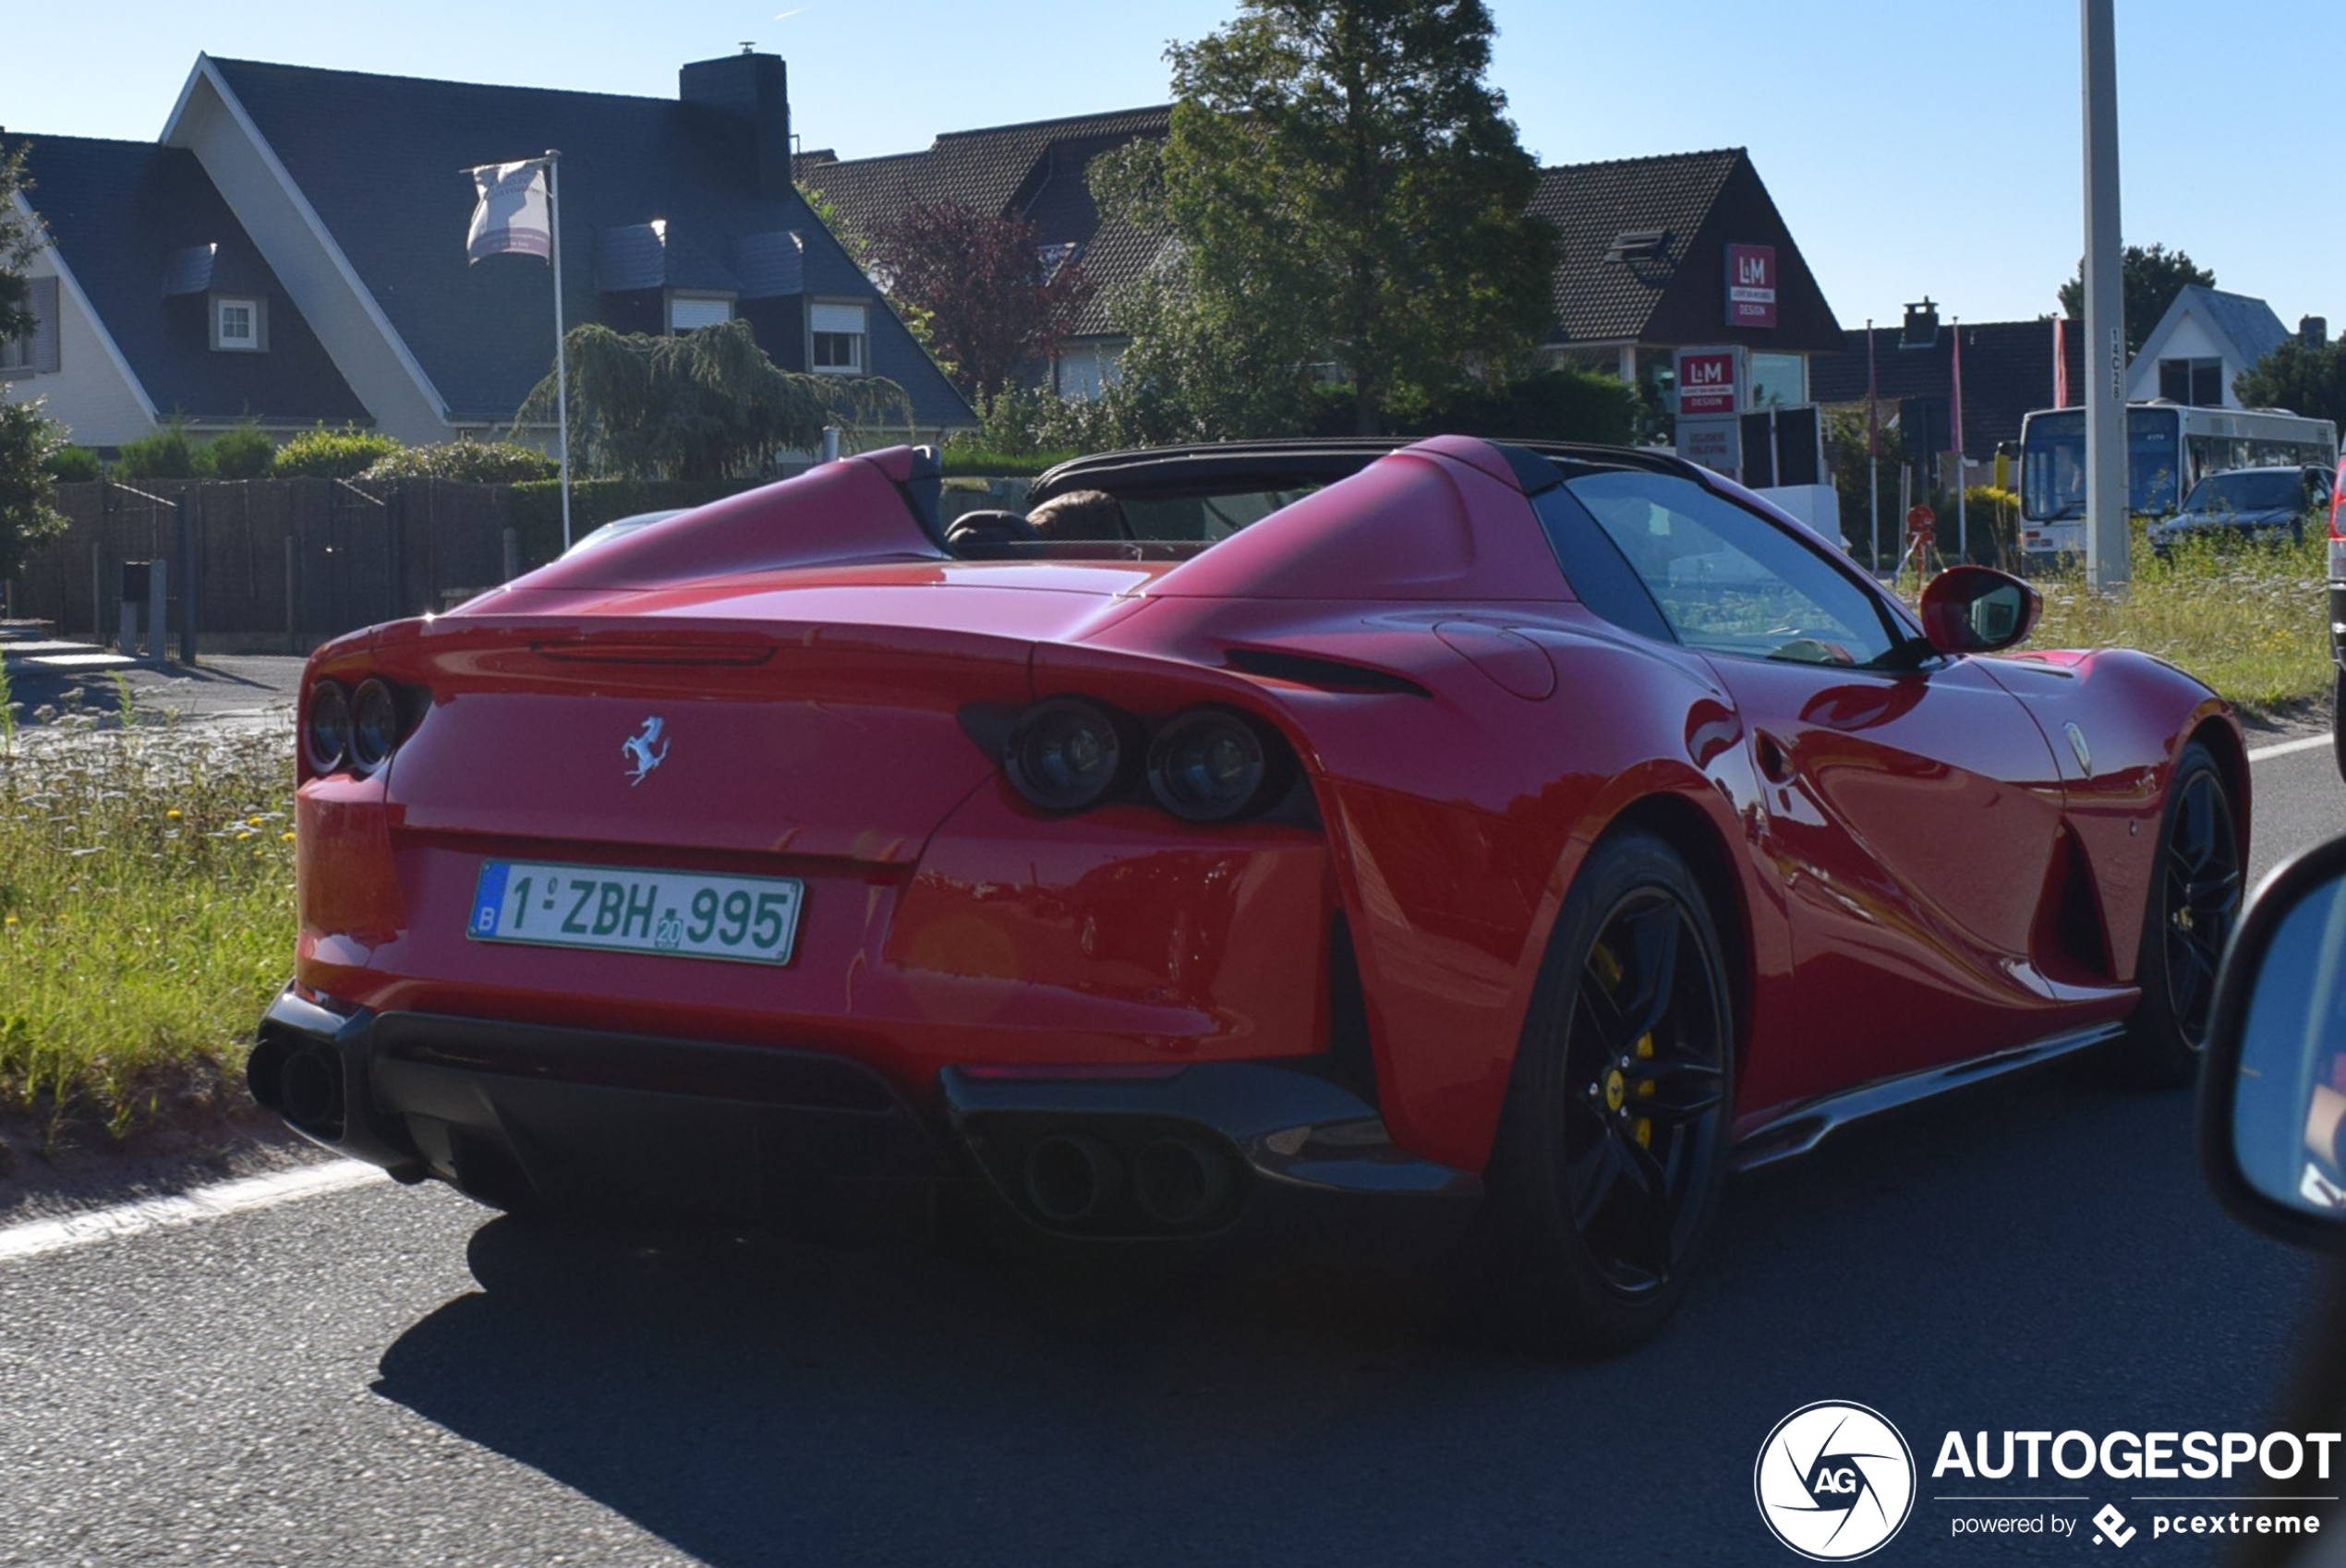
(614, 908)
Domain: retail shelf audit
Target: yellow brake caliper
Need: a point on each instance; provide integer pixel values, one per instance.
(1616, 1083)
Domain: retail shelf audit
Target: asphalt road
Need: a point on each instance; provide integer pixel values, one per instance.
(388, 1376)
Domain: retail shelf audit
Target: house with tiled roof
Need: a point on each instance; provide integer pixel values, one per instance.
(1642, 270)
(1644, 248)
(351, 200)
(1037, 171)
(2207, 338)
(2007, 371)
(154, 304)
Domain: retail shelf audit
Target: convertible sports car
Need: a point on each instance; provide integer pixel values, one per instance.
(1499, 841)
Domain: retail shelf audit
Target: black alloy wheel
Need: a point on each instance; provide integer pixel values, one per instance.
(1644, 1066)
(2194, 900)
(1612, 1147)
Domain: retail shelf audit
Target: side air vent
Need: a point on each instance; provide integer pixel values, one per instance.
(1327, 674)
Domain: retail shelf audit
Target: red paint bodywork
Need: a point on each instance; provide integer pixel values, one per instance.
(1900, 860)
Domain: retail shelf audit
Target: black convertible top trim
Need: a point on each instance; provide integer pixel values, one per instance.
(1221, 467)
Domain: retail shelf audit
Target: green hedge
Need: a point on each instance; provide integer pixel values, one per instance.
(321, 454)
(467, 462)
(959, 460)
(538, 506)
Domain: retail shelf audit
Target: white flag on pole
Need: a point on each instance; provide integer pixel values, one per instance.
(512, 214)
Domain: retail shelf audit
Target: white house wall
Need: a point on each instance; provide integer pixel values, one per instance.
(92, 392)
(2190, 339)
(325, 287)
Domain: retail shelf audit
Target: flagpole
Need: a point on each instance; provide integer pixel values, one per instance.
(562, 360)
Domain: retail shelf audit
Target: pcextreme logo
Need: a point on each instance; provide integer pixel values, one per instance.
(1834, 1480)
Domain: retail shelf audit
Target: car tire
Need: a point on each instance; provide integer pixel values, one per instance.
(2193, 903)
(1596, 1215)
(2337, 718)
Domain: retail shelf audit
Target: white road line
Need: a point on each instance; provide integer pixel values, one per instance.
(2283, 748)
(32, 1239)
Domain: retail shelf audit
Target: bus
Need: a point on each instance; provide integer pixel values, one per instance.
(2168, 448)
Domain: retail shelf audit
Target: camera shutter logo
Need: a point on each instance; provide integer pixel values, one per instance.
(1834, 1480)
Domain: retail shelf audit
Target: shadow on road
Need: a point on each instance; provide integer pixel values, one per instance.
(2040, 1255)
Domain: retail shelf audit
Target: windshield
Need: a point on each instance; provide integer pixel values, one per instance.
(2052, 473)
(2266, 489)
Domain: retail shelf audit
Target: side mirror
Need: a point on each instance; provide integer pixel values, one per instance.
(2273, 1106)
(1969, 609)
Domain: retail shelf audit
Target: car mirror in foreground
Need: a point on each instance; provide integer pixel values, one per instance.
(1968, 610)
(2272, 1111)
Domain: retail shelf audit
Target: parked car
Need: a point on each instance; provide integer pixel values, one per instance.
(2249, 503)
(1493, 840)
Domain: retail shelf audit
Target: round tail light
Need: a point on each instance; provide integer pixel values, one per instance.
(325, 739)
(374, 726)
(1209, 766)
(1065, 754)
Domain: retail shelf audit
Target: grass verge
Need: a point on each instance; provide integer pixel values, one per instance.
(146, 911)
(2247, 620)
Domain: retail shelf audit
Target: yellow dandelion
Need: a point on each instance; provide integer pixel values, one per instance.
(252, 822)
(172, 814)
(288, 837)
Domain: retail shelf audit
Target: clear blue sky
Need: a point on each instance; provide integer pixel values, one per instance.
(1911, 148)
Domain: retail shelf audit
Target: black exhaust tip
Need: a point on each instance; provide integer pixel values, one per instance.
(265, 1073)
(1180, 1182)
(309, 1091)
(1071, 1178)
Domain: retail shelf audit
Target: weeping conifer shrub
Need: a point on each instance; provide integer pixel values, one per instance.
(704, 405)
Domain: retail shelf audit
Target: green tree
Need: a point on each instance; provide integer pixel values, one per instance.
(29, 437)
(2150, 278)
(705, 404)
(1347, 198)
(20, 241)
(2311, 381)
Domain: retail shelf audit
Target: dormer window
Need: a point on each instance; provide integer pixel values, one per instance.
(239, 324)
(688, 312)
(838, 335)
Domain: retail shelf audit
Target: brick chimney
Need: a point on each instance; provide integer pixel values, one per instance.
(2313, 330)
(751, 91)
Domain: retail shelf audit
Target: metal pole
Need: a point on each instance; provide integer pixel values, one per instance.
(158, 599)
(562, 359)
(2106, 501)
(1963, 479)
(190, 505)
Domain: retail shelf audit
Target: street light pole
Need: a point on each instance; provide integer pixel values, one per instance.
(2106, 501)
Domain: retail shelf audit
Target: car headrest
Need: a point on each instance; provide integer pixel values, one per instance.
(989, 528)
